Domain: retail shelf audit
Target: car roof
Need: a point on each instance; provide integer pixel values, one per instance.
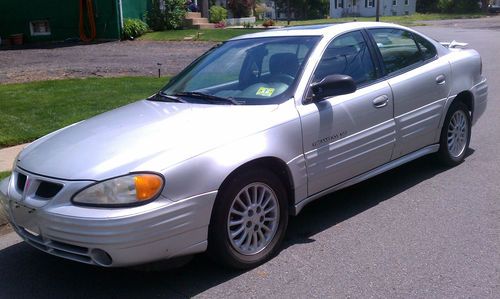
(317, 30)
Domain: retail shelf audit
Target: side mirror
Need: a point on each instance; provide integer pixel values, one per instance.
(332, 85)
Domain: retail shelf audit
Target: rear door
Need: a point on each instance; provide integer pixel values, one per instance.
(347, 135)
(419, 83)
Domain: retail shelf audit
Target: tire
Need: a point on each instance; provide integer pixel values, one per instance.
(257, 227)
(455, 135)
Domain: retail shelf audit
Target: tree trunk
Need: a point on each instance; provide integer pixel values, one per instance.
(484, 6)
(204, 8)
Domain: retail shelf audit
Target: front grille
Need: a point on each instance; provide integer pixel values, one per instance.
(21, 181)
(48, 190)
(68, 251)
(44, 189)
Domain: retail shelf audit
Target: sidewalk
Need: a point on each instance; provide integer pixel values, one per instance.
(7, 156)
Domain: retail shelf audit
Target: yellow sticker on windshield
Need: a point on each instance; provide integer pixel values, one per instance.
(265, 91)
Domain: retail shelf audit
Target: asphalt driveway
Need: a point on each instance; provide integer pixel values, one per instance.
(417, 231)
(109, 59)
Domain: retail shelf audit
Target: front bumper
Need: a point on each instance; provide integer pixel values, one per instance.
(103, 236)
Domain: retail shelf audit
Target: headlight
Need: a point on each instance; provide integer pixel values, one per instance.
(133, 189)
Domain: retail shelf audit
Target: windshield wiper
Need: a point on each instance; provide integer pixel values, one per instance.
(205, 96)
(163, 97)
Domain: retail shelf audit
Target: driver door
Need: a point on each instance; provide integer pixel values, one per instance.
(344, 136)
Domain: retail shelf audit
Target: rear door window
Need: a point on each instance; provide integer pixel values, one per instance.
(397, 47)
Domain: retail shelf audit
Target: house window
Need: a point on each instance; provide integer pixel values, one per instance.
(407, 2)
(354, 2)
(341, 3)
(407, 12)
(369, 3)
(40, 27)
(394, 2)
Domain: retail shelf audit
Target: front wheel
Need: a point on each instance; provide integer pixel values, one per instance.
(455, 135)
(249, 219)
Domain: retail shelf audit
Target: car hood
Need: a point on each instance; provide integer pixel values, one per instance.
(127, 139)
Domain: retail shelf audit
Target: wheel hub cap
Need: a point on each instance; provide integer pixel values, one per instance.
(253, 219)
(457, 134)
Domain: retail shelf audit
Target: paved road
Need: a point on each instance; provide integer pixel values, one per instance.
(417, 231)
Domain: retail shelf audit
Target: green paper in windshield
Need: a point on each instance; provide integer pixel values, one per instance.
(265, 91)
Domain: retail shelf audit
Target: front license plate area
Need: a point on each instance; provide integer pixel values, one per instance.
(24, 217)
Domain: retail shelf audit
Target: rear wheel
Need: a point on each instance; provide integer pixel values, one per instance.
(455, 135)
(249, 219)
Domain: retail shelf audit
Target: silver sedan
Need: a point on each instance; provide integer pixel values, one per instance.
(240, 140)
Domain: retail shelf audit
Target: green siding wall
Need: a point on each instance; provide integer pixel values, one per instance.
(135, 9)
(63, 16)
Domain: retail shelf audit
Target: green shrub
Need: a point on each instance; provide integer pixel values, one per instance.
(133, 28)
(458, 6)
(167, 15)
(174, 13)
(217, 14)
(155, 17)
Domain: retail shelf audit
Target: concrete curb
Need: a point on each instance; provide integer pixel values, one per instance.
(7, 156)
(3, 219)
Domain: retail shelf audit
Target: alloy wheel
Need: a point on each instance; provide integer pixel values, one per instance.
(457, 134)
(253, 219)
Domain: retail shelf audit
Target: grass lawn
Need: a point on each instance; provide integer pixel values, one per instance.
(31, 110)
(225, 34)
(4, 174)
(217, 35)
(402, 20)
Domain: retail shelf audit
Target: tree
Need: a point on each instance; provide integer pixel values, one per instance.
(240, 8)
(458, 6)
(304, 9)
(427, 6)
(484, 5)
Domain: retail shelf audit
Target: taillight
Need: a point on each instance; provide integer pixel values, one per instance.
(480, 65)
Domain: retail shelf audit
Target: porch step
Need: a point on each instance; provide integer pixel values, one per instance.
(193, 15)
(195, 21)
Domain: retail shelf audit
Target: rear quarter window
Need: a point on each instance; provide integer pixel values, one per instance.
(426, 47)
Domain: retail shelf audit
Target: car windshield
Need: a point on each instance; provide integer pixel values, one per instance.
(247, 71)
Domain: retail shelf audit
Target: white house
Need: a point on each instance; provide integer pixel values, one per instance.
(367, 8)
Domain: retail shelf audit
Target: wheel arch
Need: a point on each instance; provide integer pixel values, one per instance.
(466, 97)
(275, 165)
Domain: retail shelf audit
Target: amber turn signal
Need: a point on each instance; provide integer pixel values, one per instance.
(147, 186)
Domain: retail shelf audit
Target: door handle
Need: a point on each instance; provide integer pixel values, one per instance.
(440, 80)
(380, 101)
